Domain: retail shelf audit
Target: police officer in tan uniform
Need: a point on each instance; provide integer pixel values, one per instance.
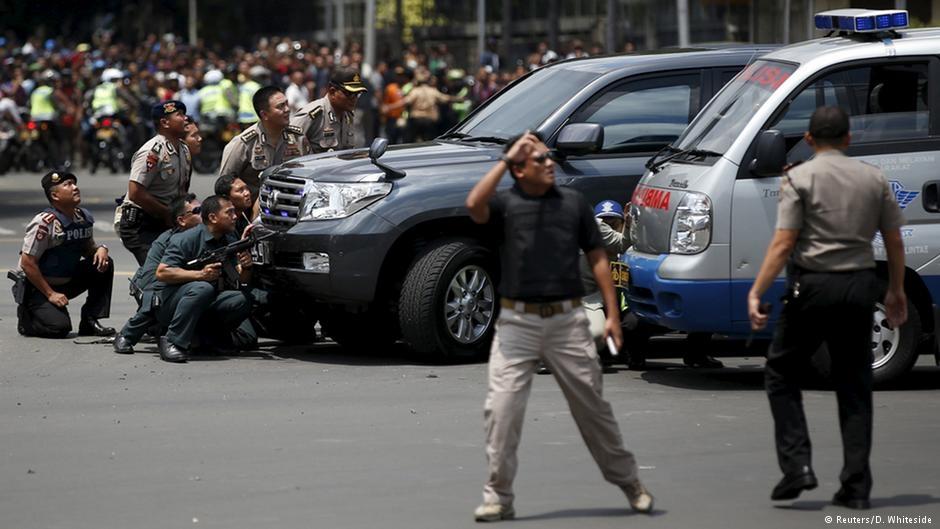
(160, 172)
(328, 122)
(830, 209)
(60, 260)
(269, 142)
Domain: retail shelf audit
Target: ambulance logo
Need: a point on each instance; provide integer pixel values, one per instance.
(903, 196)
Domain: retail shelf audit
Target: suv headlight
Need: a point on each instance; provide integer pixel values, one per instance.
(325, 200)
(692, 224)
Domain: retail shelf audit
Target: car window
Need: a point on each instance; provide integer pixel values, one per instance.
(644, 115)
(885, 103)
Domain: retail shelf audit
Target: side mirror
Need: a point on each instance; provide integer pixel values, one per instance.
(377, 149)
(580, 138)
(770, 156)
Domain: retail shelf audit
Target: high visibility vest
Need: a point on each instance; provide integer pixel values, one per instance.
(104, 101)
(212, 102)
(40, 104)
(246, 109)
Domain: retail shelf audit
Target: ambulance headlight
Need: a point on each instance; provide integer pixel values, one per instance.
(691, 224)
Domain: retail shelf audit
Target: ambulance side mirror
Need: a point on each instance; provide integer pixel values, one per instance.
(770, 156)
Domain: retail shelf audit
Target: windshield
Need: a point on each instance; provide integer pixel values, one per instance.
(722, 120)
(525, 105)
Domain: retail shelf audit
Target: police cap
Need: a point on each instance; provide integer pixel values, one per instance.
(348, 79)
(166, 108)
(54, 178)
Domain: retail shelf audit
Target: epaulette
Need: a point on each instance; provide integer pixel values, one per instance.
(315, 113)
(348, 117)
(157, 148)
(47, 218)
(249, 135)
(294, 129)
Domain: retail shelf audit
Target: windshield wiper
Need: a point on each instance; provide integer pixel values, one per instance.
(652, 160)
(456, 135)
(677, 153)
(485, 139)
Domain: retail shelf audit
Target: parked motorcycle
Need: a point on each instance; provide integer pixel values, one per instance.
(108, 149)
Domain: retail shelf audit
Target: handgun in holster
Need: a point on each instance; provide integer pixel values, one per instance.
(19, 285)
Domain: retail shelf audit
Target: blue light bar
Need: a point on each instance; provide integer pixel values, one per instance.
(861, 20)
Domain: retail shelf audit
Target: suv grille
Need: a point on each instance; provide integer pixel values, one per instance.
(280, 198)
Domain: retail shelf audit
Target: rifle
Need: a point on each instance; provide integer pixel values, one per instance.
(220, 254)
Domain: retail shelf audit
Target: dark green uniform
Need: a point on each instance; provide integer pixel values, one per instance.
(208, 306)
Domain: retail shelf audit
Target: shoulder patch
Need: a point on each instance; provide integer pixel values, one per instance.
(46, 218)
(249, 135)
(315, 113)
(294, 129)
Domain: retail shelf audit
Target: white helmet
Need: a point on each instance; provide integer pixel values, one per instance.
(111, 75)
(212, 77)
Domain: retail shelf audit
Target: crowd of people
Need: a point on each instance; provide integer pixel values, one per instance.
(70, 86)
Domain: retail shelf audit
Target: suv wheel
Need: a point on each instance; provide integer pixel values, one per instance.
(448, 300)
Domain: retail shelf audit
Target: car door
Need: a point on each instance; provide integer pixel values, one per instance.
(892, 126)
(640, 115)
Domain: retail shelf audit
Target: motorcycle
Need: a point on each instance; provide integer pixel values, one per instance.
(216, 133)
(10, 146)
(35, 153)
(108, 146)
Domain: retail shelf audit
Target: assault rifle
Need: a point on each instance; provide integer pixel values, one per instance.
(220, 254)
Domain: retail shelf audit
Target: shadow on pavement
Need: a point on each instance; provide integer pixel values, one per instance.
(747, 378)
(588, 513)
(326, 352)
(901, 500)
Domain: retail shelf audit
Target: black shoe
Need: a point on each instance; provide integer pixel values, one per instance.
(543, 369)
(123, 346)
(636, 363)
(170, 352)
(703, 361)
(792, 485)
(91, 327)
(844, 499)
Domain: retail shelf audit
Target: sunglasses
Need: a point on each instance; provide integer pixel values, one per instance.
(195, 211)
(542, 158)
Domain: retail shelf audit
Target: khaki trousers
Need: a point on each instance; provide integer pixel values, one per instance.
(564, 343)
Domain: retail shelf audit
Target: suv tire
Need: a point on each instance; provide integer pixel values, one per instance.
(448, 303)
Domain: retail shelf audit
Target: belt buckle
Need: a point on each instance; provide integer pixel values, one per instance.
(546, 310)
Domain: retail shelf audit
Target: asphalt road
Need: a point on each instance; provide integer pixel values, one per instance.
(317, 437)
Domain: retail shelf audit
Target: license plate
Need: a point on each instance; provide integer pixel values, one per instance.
(620, 274)
(104, 134)
(261, 253)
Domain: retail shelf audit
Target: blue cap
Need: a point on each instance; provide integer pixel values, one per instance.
(608, 208)
(166, 108)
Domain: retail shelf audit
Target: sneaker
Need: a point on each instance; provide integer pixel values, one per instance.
(640, 498)
(493, 512)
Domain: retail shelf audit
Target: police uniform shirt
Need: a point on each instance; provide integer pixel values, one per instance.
(51, 229)
(254, 150)
(325, 129)
(539, 242)
(190, 244)
(837, 204)
(162, 168)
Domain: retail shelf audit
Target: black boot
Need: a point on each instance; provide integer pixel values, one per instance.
(91, 327)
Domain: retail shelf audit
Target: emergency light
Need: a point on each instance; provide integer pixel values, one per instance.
(861, 20)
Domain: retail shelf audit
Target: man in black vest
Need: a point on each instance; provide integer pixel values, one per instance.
(60, 260)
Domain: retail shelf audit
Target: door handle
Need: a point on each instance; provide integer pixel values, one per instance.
(931, 194)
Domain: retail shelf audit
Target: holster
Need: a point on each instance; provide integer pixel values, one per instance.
(19, 285)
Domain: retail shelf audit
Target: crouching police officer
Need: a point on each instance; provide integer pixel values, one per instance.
(206, 300)
(59, 261)
(328, 122)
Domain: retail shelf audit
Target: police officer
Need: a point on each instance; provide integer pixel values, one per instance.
(144, 285)
(214, 102)
(830, 208)
(246, 91)
(160, 172)
(328, 122)
(541, 227)
(271, 141)
(60, 260)
(45, 103)
(207, 300)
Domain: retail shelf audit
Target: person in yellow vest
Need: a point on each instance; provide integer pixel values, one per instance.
(229, 84)
(213, 102)
(44, 105)
(246, 110)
